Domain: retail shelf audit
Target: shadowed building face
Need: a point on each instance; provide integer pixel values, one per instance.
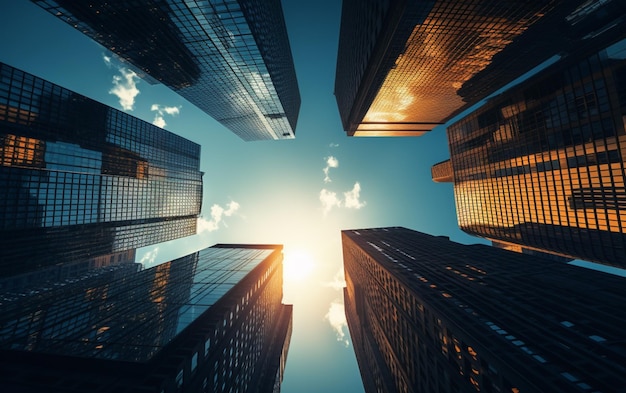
(430, 315)
(210, 321)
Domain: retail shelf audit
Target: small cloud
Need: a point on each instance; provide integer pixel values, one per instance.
(333, 145)
(329, 200)
(149, 257)
(171, 110)
(352, 197)
(336, 316)
(331, 162)
(159, 121)
(160, 110)
(352, 200)
(125, 88)
(338, 282)
(107, 60)
(217, 212)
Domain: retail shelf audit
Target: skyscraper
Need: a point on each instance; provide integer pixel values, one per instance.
(231, 59)
(401, 63)
(430, 315)
(211, 321)
(542, 165)
(79, 179)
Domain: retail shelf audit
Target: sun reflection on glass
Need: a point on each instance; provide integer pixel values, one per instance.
(297, 265)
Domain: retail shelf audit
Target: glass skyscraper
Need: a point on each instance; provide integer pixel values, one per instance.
(430, 315)
(231, 59)
(542, 165)
(401, 63)
(211, 321)
(79, 179)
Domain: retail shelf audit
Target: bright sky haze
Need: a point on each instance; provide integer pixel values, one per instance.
(300, 193)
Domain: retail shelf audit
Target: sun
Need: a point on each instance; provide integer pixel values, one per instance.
(297, 265)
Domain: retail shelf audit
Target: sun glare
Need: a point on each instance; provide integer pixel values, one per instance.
(297, 265)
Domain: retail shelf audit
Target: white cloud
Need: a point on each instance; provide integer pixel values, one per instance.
(171, 110)
(161, 110)
(336, 316)
(351, 200)
(125, 88)
(333, 145)
(149, 257)
(331, 162)
(329, 200)
(338, 282)
(107, 60)
(352, 197)
(159, 121)
(217, 212)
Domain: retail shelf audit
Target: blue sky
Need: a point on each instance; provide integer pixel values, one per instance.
(299, 193)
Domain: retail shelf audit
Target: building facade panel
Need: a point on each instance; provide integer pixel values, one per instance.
(230, 59)
(542, 165)
(429, 315)
(79, 179)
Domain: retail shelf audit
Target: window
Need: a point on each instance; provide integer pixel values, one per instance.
(194, 362)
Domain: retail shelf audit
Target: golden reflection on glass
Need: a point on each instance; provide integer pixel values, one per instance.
(453, 44)
(542, 165)
(16, 115)
(142, 169)
(159, 285)
(559, 197)
(388, 133)
(21, 151)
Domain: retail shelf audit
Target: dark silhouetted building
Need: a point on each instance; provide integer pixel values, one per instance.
(525, 250)
(79, 179)
(231, 59)
(542, 165)
(211, 321)
(430, 315)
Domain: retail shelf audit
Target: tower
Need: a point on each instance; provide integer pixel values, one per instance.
(79, 179)
(209, 321)
(427, 314)
(230, 59)
(541, 165)
(401, 64)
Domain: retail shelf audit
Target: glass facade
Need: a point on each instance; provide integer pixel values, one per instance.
(79, 179)
(542, 165)
(210, 321)
(430, 315)
(400, 64)
(442, 172)
(231, 59)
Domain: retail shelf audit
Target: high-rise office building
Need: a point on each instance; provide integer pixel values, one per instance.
(211, 321)
(400, 63)
(404, 67)
(231, 59)
(542, 165)
(79, 179)
(430, 315)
